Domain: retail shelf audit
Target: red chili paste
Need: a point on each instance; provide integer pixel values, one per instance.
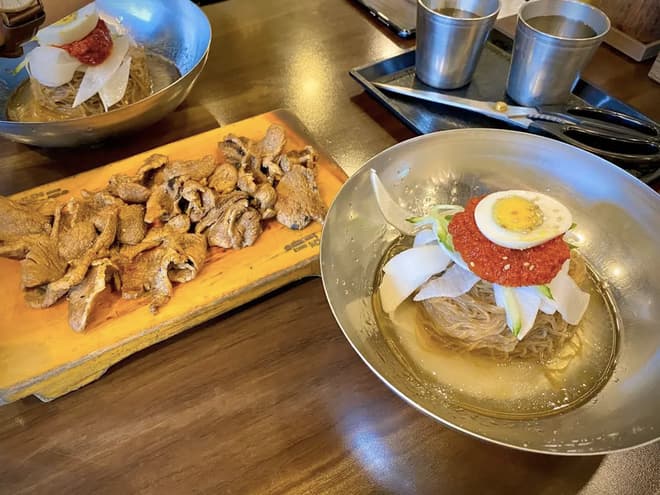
(94, 48)
(500, 265)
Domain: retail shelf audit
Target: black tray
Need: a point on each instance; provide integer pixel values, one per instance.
(488, 84)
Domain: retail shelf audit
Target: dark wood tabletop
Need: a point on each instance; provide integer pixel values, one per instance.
(271, 398)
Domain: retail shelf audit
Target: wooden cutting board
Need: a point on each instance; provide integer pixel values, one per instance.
(40, 355)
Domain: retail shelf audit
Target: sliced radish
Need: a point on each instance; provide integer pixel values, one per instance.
(571, 301)
(51, 66)
(454, 282)
(97, 76)
(71, 28)
(406, 271)
(424, 237)
(115, 88)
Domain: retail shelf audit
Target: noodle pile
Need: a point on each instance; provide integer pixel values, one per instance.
(49, 104)
(472, 322)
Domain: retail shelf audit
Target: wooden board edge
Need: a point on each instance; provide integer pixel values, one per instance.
(75, 375)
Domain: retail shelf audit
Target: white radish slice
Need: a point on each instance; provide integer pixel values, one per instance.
(520, 306)
(393, 213)
(51, 66)
(71, 28)
(97, 76)
(406, 271)
(529, 303)
(455, 281)
(115, 88)
(571, 301)
(425, 237)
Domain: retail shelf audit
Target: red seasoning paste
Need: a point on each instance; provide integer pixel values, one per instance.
(504, 266)
(94, 48)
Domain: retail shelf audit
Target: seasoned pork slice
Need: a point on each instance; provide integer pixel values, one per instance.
(224, 178)
(231, 230)
(83, 295)
(249, 227)
(76, 239)
(298, 199)
(197, 200)
(42, 263)
(223, 203)
(270, 147)
(127, 189)
(47, 295)
(306, 157)
(192, 169)
(17, 220)
(151, 172)
(193, 247)
(131, 228)
(164, 201)
(265, 198)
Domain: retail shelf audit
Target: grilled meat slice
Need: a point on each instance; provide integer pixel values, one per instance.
(42, 263)
(192, 169)
(17, 220)
(298, 198)
(127, 189)
(83, 295)
(131, 228)
(151, 172)
(224, 178)
(265, 198)
(306, 157)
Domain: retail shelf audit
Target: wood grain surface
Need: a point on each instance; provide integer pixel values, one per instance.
(270, 398)
(48, 359)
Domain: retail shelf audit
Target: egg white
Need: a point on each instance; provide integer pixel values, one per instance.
(70, 29)
(557, 219)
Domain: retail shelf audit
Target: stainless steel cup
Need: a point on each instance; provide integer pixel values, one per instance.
(448, 47)
(549, 55)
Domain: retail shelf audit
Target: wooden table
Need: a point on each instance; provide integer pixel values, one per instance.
(271, 398)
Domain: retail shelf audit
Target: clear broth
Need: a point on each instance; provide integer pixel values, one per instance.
(458, 13)
(557, 25)
(20, 107)
(513, 388)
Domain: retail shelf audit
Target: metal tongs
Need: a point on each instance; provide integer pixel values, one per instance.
(613, 135)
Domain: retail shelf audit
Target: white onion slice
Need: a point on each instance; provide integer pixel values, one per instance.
(571, 301)
(454, 282)
(51, 66)
(71, 28)
(97, 76)
(406, 271)
(115, 88)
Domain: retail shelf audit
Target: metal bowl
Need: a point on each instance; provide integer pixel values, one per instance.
(618, 217)
(175, 29)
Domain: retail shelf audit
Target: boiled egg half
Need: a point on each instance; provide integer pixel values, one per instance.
(71, 28)
(521, 219)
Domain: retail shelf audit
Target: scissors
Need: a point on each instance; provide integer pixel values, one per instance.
(613, 135)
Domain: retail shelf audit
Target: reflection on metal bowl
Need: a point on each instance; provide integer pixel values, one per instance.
(619, 229)
(175, 29)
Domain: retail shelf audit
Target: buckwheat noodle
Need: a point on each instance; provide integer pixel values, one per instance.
(49, 104)
(472, 322)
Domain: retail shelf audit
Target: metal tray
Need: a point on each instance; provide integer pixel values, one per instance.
(488, 84)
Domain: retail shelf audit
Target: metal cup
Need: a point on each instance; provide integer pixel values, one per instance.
(448, 47)
(548, 56)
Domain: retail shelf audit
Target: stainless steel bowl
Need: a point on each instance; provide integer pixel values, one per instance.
(619, 219)
(175, 29)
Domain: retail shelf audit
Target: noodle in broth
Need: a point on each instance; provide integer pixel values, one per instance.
(464, 346)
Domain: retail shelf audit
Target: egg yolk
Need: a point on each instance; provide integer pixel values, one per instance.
(66, 20)
(517, 214)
